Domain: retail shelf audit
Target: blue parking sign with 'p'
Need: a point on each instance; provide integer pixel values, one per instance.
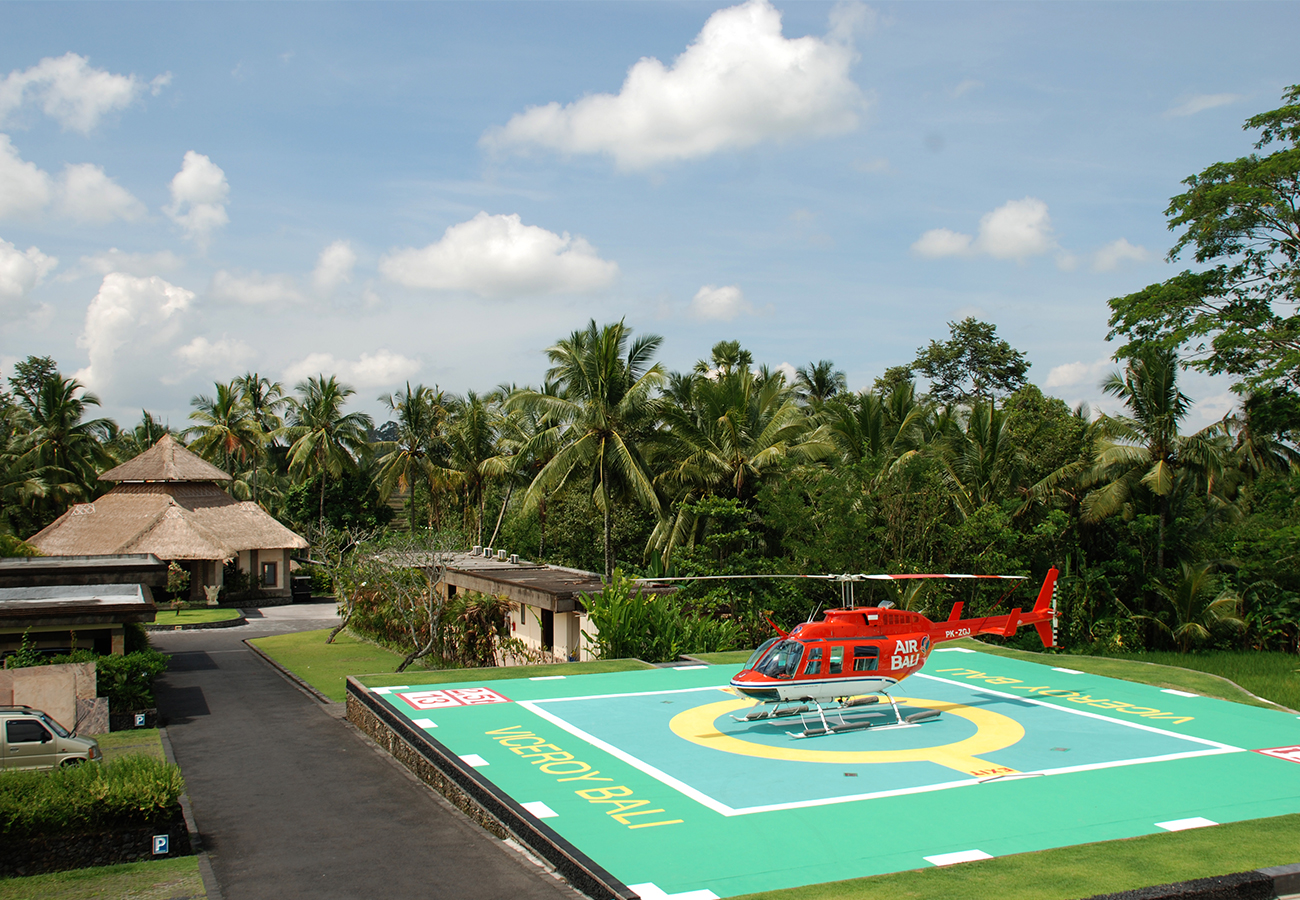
(159, 844)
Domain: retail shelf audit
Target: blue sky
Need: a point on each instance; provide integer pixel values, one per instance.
(437, 192)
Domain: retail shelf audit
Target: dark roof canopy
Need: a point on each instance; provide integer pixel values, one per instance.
(167, 460)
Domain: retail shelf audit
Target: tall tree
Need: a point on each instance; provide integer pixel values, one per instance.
(1144, 451)
(419, 451)
(818, 382)
(226, 434)
(1241, 218)
(265, 400)
(974, 364)
(60, 440)
(606, 382)
(324, 440)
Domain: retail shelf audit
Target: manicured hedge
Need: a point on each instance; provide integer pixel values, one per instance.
(130, 790)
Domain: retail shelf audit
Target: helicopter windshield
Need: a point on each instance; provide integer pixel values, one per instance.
(781, 661)
(758, 654)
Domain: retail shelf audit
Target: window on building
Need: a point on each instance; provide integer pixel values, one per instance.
(270, 574)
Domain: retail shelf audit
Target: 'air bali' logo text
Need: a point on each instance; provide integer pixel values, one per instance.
(906, 654)
(452, 697)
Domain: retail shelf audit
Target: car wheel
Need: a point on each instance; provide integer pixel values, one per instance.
(69, 763)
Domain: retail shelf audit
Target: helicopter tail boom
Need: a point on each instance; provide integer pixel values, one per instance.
(1004, 626)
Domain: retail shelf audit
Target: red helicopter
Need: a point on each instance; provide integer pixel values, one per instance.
(856, 654)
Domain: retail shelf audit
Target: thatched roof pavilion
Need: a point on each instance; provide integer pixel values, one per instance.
(168, 503)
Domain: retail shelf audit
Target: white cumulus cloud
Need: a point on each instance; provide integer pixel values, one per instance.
(383, 368)
(86, 194)
(334, 267)
(1017, 229)
(199, 194)
(254, 289)
(1078, 374)
(500, 257)
(721, 304)
(73, 93)
(739, 83)
(115, 260)
(143, 314)
(24, 188)
(1116, 253)
(223, 354)
(1201, 102)
(21, 271)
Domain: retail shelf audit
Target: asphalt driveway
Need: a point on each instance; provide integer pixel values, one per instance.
(293, 803)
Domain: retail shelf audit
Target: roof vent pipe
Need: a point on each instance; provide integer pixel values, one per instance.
(501, 555)
(476, 551)
(514, 559)
(487, 552)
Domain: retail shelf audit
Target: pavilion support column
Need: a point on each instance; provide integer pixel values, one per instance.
(119, 640)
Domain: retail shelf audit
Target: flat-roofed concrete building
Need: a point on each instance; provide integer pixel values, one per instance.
(79, 601)
(169, 502)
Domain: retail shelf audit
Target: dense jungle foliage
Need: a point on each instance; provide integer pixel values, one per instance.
(1167, 538)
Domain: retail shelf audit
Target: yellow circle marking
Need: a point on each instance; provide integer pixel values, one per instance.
(993, 732)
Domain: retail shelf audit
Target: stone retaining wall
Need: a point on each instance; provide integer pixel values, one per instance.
(132, 843)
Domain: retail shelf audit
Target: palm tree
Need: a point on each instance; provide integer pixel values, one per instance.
(324, 441)
(1195, 613)
(818, 382)
(1144, 452)
(738, 427)
(605, 381)
(132, 443)
(70, 450)
(420, 452)
(264, 399)
(474, 458)
(226, 434)
(981, 462)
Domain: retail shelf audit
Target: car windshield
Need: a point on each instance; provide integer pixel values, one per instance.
(781, 661)
(758, 654)
(55, 727)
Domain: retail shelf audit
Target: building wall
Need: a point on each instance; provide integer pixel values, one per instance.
(569, 644)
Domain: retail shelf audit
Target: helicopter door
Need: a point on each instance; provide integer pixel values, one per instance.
(814, 664)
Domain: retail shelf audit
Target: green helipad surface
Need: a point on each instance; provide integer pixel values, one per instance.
(647, 773)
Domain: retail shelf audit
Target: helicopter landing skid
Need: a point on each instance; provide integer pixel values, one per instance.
(844, 717)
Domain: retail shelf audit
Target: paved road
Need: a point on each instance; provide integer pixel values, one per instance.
(292, 802)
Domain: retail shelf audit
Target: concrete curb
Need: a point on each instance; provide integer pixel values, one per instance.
(210, 886)
(297, 682)
(197, 626)
(478, 797)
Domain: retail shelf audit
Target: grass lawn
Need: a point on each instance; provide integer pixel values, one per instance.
(1082, 871)
(140, 741)
(1271, 676)
(446, 676)
(164, 879)
(193, 616)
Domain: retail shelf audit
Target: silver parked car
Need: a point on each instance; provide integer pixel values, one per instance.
(30, 739)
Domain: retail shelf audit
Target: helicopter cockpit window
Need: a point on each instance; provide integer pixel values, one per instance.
(758, 654)
(814, 664)
(865, 658)
(782, 661)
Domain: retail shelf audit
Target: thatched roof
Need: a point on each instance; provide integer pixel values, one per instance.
(171, 520)
(167, 460)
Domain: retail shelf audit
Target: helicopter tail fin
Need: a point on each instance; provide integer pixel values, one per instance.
(1046, 594)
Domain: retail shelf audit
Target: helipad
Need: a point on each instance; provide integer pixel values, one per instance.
(648, 774)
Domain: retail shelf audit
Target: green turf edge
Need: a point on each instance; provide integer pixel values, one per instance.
(1196, 681)
(1069, 873)
(161, 879)
(194, 616)
(327, 666)
(138, 741)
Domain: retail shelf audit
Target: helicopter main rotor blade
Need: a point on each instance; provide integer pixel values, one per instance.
(842, 577)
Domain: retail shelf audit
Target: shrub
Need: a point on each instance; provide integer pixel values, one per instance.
(130, 790)
(651, 627)
(127, 681)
